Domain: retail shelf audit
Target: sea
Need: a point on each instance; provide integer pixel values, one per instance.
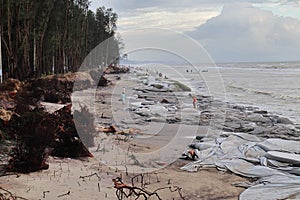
(270, 86)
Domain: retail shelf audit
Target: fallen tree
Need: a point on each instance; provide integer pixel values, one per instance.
(40, 134)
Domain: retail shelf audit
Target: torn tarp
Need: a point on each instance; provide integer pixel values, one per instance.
(275, 162)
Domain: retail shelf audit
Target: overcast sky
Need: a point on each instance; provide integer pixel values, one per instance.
(199, 30)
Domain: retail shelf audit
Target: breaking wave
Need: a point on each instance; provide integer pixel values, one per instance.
(266, 93)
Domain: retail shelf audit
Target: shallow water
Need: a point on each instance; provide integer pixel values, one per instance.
(274, 87)
(271, 86)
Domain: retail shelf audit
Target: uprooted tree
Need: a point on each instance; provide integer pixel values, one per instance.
(41, 134)
(37, 132)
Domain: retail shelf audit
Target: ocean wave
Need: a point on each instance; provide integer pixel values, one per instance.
(291, 66)
(266, 93)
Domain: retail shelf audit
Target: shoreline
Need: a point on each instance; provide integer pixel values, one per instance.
(63, 175)
(243, 121)
(210, 183)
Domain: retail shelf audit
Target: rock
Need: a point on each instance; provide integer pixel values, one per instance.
(234, 118)
(198, 137)
(157, 90)
(146, 103)
(246, 128)
(158, 110)
(173, 120)
(238, 107)
(164, 101)
(157, 86)
(261, 112)
(143, 113)
(283, 120)
(260, 130)
(157, 119)
(103, 82)
(131, 121)
(231, 126)
(258, 118)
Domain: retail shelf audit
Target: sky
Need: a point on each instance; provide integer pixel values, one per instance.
(208, 30)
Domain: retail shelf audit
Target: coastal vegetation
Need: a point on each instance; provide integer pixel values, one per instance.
(51, 37)
(42, 44)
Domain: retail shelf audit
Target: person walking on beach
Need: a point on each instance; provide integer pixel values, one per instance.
(123, 97)
(194, 101)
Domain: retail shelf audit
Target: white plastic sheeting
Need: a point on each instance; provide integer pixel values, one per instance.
(275, 162)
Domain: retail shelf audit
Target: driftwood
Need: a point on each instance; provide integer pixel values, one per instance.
(110, 129)
(62, 195)
(91, 175)
(115, 130)
(7, 195)
(125, 191)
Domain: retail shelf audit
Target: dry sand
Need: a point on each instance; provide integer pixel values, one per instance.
(65, 177)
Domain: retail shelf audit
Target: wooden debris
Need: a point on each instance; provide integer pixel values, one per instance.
(125, 191)
(24, 119)
(110, 129)
(113, 129)
(62, 195)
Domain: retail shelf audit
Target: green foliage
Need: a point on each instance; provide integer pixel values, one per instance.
(37, 35)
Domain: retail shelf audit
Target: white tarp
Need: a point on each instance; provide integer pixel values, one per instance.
(276, 162)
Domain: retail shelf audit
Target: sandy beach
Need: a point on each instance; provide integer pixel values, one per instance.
(92, 178)
(149, 100)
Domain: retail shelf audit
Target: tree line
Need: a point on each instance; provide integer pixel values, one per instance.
(51, 36)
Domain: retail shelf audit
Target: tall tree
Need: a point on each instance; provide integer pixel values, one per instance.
(41, 37)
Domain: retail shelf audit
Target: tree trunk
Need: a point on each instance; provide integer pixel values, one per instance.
(34, 52)
(1, 73)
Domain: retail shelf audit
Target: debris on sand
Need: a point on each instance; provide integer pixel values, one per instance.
(39, 133)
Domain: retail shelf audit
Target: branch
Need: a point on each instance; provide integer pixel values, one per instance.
(10, 195)
(68, 193)
(89, 176)
(138, 191)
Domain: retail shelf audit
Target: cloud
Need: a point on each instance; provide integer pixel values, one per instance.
(130, 5)
(153, 44)
(246, 33)
(252, 31)
(184, 20)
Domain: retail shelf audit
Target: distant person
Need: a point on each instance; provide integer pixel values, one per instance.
(194, 101)
(123, 97)
(160, 74)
